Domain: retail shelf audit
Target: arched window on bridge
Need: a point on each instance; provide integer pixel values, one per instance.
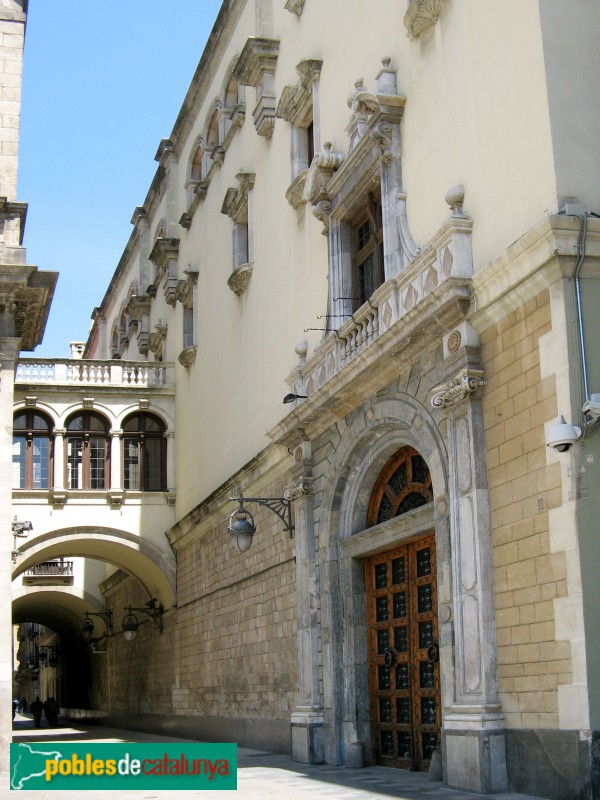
(87, 451)
(144, 453)
(32, 451)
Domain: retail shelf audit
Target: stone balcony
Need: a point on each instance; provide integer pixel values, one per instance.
(407, 312)
(80, 373)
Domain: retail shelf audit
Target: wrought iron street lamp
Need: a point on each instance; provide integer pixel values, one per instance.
(241, 522)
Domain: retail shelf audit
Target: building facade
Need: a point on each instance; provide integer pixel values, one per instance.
(389, 226)
(25, 297)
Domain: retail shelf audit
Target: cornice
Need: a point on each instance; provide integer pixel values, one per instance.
(258, 56)
(164, 251)
(236, 200)
(294, 99)
(27, 293)
(531, 264)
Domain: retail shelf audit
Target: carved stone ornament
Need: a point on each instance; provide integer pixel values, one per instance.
(238, 280)
(157, 338)
(295, 6)
(185, 221)
(235, 204)
(324, 164)
(57, 498)
(164, 251)
(460, 387)
(256, 67)
(423, 15)
(296, 100)
(185, 287)
(295, 192)
(116, 498)
(143, 342)
(187, 356)
(302, 487)
(137, 305)
(454, 340)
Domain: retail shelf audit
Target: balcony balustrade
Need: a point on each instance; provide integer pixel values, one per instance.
(78, 372)
(49, 572)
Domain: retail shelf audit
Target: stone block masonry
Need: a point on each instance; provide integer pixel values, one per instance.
(528, 576)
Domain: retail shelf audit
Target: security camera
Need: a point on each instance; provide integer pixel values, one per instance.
(561, 435)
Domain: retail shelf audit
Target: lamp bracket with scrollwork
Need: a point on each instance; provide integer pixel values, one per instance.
(282, 506)
(465, 383)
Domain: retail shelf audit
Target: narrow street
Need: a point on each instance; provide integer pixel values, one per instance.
(260, 774)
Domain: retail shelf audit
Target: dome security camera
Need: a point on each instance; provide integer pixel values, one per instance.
(561, 436)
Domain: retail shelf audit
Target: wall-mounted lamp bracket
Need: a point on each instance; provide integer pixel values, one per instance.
(152, 609)
(87, 626)
(241, 522)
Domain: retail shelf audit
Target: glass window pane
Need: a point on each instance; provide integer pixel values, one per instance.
(40, 423)
(153, 465)
(97, 453)
(96, 424)
(41, 446)
(131, 467)
(18, 462)
(366, 285)
(75, 424)
(74, 463)
(20, 421)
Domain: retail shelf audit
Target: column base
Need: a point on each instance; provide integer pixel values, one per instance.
(474, 748)
(308, 736)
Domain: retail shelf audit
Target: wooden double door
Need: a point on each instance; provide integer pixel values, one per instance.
(404, 673)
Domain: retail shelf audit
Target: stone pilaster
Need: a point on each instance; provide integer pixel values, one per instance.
(307, 717)
(473, 723)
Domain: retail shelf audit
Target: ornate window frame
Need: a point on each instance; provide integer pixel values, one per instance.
(338, 186)
(165, 256)
(299, 105)
(238, 205)
(256, 67)
(226, 114)
(187, 294)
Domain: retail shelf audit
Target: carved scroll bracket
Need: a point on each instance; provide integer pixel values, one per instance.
(460, 387)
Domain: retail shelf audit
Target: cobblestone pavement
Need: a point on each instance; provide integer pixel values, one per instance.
(261, 775)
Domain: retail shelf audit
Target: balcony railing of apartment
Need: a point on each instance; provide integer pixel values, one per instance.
(51, 568)
(78, 372)
(49, 572)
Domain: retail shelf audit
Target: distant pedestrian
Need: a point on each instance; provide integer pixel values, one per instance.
(36, 709)
(15, 705)
(51, 711)
(23, 705)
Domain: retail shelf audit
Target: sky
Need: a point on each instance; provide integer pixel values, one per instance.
(103, 82)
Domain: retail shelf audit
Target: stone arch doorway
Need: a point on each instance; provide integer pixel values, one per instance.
(352, 538)
(402, 625)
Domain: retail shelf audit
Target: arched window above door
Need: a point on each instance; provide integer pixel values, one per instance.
(403, 485)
